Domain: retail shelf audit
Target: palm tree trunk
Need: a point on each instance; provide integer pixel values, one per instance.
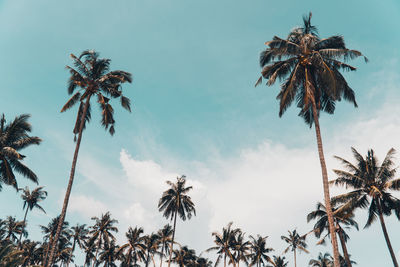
(47, 251)
(147, 258)
(326, 186)
(72, 251)
(386, 235)
(295, 263)
(162, 254)
(152, 258)
(20, 236)
(344, 248)
(225, 260)
(70, 182)
(97, 251)
(173, 237)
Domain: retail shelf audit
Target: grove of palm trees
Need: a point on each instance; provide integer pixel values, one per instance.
(203, 170)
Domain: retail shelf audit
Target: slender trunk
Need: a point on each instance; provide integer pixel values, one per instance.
(20, 236)
(47, 251)
(386, 235)
(344, 248)
(97, 251)
(173, 237)
(152, 258)
(295, 263)
(162, 254)
(70, 254)
(326, 187)
(147, 258)
(225, 260)
(70, 182)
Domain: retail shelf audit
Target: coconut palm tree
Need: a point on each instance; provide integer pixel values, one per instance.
(151, 243)
(278, 262)
(136, 249)
(91, 74)
(31, 200)
(311, 67)
(259, 251)
(175, 202)
(165, 235)
(79, 236)
(342, 220)
(203, 262)
(14, 137)
(101, 232)
(13, 228)
(323, 260)
(241, 249)
(184, 257)
(109, 255)
(372, 184)
(295, 242)
(224, 243)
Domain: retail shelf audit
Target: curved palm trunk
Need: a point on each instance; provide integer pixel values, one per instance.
(20, 236)
(70, 182)
(147, 258)
(97, 251)
(162, 254)
(172, 242)
(225, 260)
(344, 248)
(386, 235)
(326, 187)
(70, 254)
(295, 262)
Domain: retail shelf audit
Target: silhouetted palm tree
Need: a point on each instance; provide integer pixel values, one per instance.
(165, 235)
(278, 262)
(311, 69)
(151, 243)
(135, 248)
(295, 242)
(241, 249)
(175, 202)
(184, 257)
(31, 200)
(14, 137)
(371, 184)
(109, 255)
(13, 228)
(259, 251)
(323, 260)
(341, 218)
(224, 243)
(91, 74)
(79, 236)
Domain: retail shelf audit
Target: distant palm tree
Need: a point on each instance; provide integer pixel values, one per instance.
(101, 232)
(295, 242)
(91, 74)
(14, 137)
(79, 236)
(184, 257)
(224, 243)
(31, 200)
(203, 262)
(259, 251)
(151, 243)
(174, 202)
(311, 69)
(135, 247)
(278, 262)
(241, 249)
(165, 235)
(324, 260)
(372, 185)
(341, 218)
(12, 228)
(109, 255)
(30, 253)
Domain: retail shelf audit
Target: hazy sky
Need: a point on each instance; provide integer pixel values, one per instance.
(196, 112)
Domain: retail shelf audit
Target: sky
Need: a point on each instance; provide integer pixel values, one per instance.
(196, 112)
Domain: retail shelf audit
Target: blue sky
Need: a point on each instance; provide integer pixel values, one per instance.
(195, 108)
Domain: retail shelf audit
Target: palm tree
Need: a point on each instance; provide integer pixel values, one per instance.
(259, 250)
(324, 260)
(184, 257)
(101, 232)
(151, 243)
(295, 242)
(203, 262)
(109, 255)
(92, 76)
(311, 66)
(31, 200)
(14, 137)
(224, 243)
(342, 219)
(12, 228)
(165, 235)
(136, 248)
(241, 249)
(79, 236)
(372, 185)
(278, 262)
(174, 202)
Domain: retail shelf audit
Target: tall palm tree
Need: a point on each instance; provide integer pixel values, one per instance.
(295, 242)
(151, 242)
(259, 251)
(278, 262)
(109, 255)
(91, 74)
(372, 185)
(13, 228)
(135, 247)
(311, 66)
(31, 200)
(165, 235)
(323, 260)
(101, 232)
(14, 137)
(175, 202)
(224, 243)
(342, 220)
(241, 249)
(79, 236)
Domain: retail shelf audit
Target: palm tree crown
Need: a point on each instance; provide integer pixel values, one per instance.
(14, 137)
(259, 251)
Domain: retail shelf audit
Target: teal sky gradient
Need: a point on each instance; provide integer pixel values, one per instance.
(194, 65)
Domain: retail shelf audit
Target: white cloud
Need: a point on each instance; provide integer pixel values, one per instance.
(86, 205)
